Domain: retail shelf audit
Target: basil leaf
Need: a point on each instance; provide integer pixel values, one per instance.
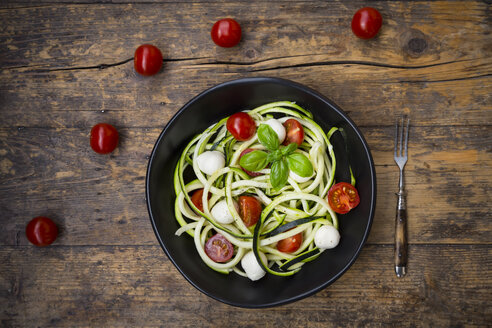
(289, 149)
(268, 137)
(254, 161)
(279, 174)
(300, 165)
(274, 156)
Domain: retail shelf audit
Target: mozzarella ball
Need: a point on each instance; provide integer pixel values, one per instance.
(210, 161)
(327, 237)
(297, 178)
(221, 213)
(278, 128)
(252, 267)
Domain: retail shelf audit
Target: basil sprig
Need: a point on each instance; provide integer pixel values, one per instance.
(268, 137)
(282, 158)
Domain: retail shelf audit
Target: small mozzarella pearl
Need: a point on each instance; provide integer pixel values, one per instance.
(327, 237)
(210, 161)
(278, 128)
(221, 213)
(252, 267)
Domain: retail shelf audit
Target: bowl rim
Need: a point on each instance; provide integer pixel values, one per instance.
(329, 103)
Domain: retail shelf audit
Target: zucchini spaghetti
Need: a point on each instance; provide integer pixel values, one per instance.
(256, 204)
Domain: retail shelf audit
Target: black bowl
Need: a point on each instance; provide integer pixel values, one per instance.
(224, 100)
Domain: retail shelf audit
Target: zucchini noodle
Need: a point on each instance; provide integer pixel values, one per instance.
(297, 207)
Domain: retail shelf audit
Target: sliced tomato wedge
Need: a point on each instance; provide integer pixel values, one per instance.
(290, 244)
(249, 210)
(197, 199)
(219, 249)
(295, 132)
(343, 197)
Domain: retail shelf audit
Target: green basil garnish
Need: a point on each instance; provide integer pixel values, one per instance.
(254, 161)
(300, 165)
(275, 156)
(290, 148)
(268, 137)
(279, 174)
(282, 159)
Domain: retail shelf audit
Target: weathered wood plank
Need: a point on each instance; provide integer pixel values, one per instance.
(136, 286)
(432, 60)
(75, 98)
(446, 82)
(86, 35)
(100, 199)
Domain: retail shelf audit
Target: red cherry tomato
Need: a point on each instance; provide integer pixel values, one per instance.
(147, 60)
(343, 197)
(366, 23)
(226, 33)
(41, 231)
(295, 132)
(104, 138)
(290, 244)
(241, 126)
(249, 210)
(218, 248)
(252, 174)
(197, 199)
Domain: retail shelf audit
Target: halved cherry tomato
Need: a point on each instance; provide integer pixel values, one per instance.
(226, 33)
(290, 244)
(366, 23)
(249, 210)
(295, 132)
(218, 248)
(197, 199)
(147, 60)
(251, 174)
(241, 126)
(343, 197)
(104, 138)
(41, 231)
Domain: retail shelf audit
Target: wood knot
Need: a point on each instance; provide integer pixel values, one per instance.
(417, 45)
(250, 53)
(414, 43)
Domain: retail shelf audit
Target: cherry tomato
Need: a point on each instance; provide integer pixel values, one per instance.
(218, 248)
(241, 126)
(290, 244)
(41, 231)
(249, 210)
(343, 197)
(226, 33)
(295, 132)
(147, 60)
(197, 198)
(366, 23)
(104, 138)
(252, 174)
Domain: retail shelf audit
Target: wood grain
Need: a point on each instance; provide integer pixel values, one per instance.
(113, 286)
(66, 65)
(56, 64)
(83, 35)
(101, 199)
(59, 99)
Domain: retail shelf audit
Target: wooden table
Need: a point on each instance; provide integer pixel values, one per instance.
(67, 66)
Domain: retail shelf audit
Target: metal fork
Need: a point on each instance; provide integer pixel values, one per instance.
(401, 156)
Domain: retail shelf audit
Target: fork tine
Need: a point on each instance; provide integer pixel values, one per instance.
(406, 137)
(396, 137)
(401, 137)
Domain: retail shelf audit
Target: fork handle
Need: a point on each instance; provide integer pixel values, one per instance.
(401, 236)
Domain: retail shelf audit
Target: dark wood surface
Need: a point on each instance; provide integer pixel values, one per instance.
(66, 65)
